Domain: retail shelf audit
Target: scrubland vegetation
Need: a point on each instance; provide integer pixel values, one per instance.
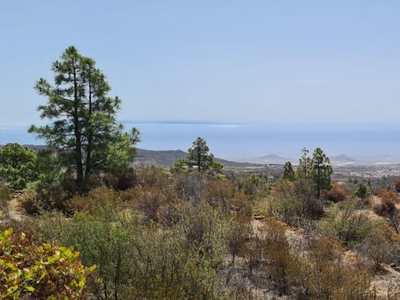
(98, 229)
(195, 235)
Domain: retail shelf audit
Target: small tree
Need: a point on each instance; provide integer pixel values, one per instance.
(17, 165)
(361, 190)
(198, 158)
(304, 168)
(322, 171)
(288, 172)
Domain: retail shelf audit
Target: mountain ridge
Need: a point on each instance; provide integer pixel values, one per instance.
(166, 158)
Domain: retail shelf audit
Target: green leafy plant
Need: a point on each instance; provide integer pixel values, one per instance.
(361, 190)
(40, 271)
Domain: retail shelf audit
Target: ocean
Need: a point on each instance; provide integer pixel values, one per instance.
(240, 140)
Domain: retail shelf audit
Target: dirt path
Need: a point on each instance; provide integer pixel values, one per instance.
(13, 212)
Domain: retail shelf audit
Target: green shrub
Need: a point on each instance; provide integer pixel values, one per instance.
(5, 197)
(380, 247)
(361, 190)
(138, 260)
(94, 200)
(40, 271)
(348, 224)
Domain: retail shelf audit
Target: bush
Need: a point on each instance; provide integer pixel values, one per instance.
(96, 198)
(5, 197)
(380, 247)
(219, 194)
(295, 203)
(361, 190)
(31, 203)
(336, 194)
(329, 274)
(288, 210)
(43, 271)
(150, 199)
(238, 233)
(397, 186)
(137, 260)
(151, 177)
(192, 187)
(311, 206)
(124, 181)
(389, 195)
(348, 224)
(387, 208)
(49, 194)
(282, 262)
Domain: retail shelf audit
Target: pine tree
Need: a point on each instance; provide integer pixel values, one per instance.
(304, 168)
(83, 131)
(288, 172)
(321, 171)
(198, 158)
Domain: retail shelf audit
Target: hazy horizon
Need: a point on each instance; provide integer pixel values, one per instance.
(232, 140)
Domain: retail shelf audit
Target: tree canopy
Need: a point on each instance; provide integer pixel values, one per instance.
(17, 165)
(316, 170)
(288, 172)
(321, 171)
(198, 158)
(83, 132)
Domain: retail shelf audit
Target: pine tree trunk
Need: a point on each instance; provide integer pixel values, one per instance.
(78, 149)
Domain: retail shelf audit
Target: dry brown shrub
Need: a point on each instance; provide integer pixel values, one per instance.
(330, 274)
(192, 187)
(149, 202)
(382, 246)
(31, 204)
(283, 189)
(283, 264)
(386, 208)
(336, 193)
(220, 193)
(388, 195)
(152, 177)
(397, 186)
(241, 205)
(96, 198)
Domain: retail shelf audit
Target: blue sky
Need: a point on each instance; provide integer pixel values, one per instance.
(213, 61)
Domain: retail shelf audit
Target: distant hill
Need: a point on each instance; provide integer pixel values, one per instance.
(342, 158)
(270, 159)
(163, 158)
(166, 158)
